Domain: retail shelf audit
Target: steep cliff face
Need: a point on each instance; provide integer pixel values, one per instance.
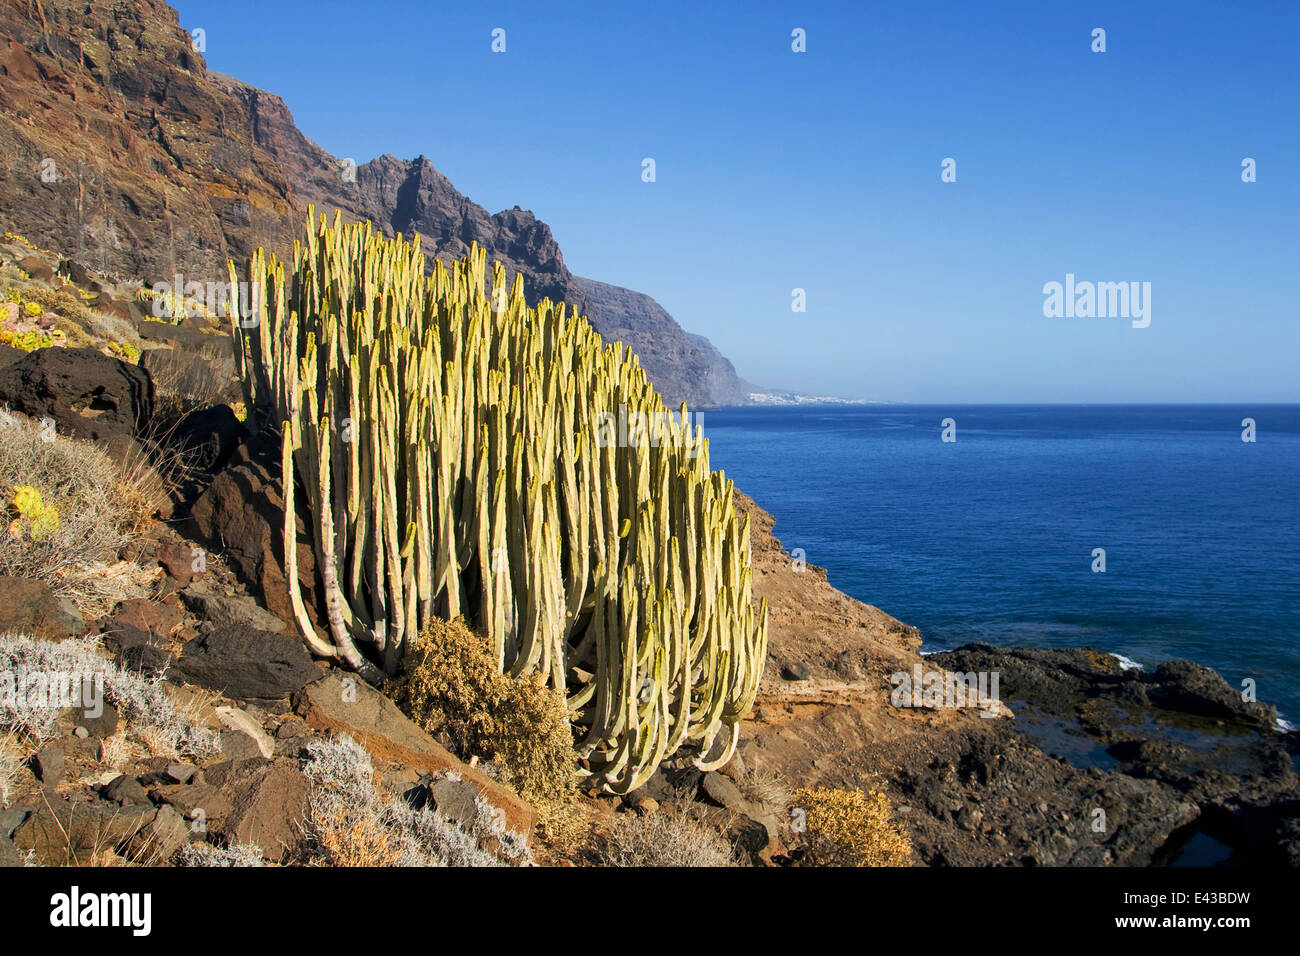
(406, 196)
(117, 148)
(682, 365)
(124, 149)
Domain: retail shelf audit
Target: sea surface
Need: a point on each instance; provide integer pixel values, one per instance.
(991, 537)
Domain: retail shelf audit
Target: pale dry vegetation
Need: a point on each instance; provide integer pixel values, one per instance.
(663, 839)
(87, 510)
(349, 822)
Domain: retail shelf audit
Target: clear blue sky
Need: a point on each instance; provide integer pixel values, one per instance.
(821, 170)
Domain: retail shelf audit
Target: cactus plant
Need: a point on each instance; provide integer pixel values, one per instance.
(446, 438)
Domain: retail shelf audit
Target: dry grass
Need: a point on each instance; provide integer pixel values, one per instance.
(153, 717)
(117, 751)
(184, 384)
(97, 508)
(98, 588)
(349, 822)
(767, 788)
(663, 839)
(11, 758)
(450, 683)
(852, 828)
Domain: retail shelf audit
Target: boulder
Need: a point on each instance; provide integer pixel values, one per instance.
(796, 672)
(177, 559)
(30, 607)
(246, 663)
(50, 764)
(72, 832)
(90, 395)
(124, 790)
(241, 724)
(1193, 689)
(37, 268)
(267, 803)
(159, 618)
(208, 438)
(755, 828)
(241, 515)
(220, 609)
(156, 841)
(346, 704)
(138, 650)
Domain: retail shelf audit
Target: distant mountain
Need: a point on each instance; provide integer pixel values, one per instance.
(122, 147)
(683, 366)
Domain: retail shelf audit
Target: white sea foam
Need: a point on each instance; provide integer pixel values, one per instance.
(1127, 663)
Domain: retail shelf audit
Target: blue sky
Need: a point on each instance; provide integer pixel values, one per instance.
(821, 170)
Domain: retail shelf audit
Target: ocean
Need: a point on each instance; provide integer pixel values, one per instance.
(993, 537)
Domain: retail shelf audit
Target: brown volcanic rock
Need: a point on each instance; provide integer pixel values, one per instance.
(89, 394)
(156, 169)
(241, 516)
(162, 166)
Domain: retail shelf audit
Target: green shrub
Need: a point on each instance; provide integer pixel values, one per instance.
(449, 683)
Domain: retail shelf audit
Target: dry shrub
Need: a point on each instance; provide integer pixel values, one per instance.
(153, 716)
(96, 514)
(350, 822)
(348, 838)
(852, 828)
(11, 758)
(767, 788)
(449, 683)
(663, 839)
(205, 854)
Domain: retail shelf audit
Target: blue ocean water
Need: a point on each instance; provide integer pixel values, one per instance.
(991, 537)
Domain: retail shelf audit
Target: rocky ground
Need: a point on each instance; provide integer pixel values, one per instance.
(1081, 762)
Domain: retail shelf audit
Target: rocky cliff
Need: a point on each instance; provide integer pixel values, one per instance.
(123, 148)
(680, 364)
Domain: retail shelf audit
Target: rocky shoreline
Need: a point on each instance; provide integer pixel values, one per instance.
(1099, 765)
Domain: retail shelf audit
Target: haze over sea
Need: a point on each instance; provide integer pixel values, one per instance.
(991, 537)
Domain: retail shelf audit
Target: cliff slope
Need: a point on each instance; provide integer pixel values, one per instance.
(123, 149)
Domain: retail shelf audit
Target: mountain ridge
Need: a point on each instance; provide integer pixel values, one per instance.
(130, 153)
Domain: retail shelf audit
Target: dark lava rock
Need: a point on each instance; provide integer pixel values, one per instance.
(241, 515)
(208, 438)
(1193, 689)
(125, 790)
(794, 672)
(138, 650)
(246, 664)
(71, 832)
(50, 764)
(89, 395)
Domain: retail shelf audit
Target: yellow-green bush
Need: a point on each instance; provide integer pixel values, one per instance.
(32, 340)
(125, 351)
(30, 516)
(851, 828)
(449, 683)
